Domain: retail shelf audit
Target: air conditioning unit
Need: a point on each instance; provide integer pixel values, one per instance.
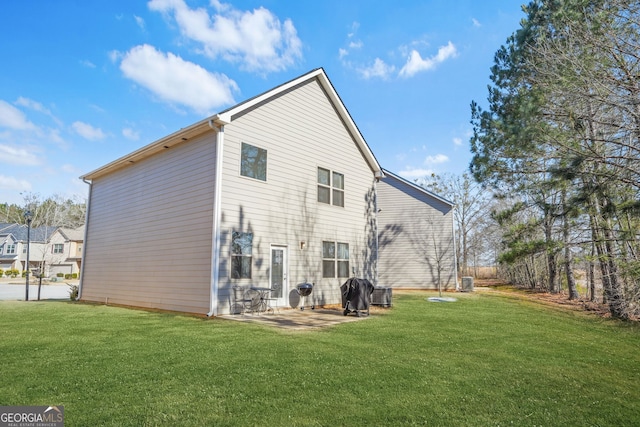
(381, 296)
(467, 284)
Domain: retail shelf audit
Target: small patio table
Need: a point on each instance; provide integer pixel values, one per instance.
(261, 297)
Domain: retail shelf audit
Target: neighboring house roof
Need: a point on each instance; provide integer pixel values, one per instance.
(227, 116)
(419, 188)
(73, 235)
(37, 234)
(4, 225)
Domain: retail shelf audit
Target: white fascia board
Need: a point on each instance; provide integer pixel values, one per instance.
(161, 144)
(226, 116)
(419, 188)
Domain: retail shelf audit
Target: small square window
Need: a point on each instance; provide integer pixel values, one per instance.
(253, 162)
(330, 187)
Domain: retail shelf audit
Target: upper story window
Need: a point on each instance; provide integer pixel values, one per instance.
(11, 249)
(241, 255)
(253, 162)
(57, 248)
(330, 187)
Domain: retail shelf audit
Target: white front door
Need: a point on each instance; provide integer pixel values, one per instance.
(279, 269)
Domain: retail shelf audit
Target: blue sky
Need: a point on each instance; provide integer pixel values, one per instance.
(83, 83)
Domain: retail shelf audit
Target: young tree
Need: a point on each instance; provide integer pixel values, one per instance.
(471, 206)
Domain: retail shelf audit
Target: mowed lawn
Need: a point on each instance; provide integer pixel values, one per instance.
(487, 359)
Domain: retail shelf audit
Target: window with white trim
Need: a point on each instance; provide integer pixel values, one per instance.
(335, 259)
(330, 187)
(11, 249)
(241, 255)
(57, 248)
(253, 162)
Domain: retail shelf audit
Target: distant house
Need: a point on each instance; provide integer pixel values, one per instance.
(65, 251)
(415, 236)
(276, 191)
(13, 246)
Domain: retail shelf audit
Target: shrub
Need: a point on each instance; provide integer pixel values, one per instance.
(60, 275)
(74, 276)
(73, 292)
(67, 276)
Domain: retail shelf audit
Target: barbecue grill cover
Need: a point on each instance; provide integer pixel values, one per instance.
(358, 293)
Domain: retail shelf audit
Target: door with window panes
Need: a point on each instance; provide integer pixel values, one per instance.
(278, 276)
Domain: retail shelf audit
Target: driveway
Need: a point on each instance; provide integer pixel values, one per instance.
(14, 291)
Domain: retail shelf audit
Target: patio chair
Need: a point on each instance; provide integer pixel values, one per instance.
(245, 300)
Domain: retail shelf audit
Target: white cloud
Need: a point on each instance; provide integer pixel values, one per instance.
(355, 45)
(354, 28)
(476, 23)
(68, 168)
(177, 81)
(34, 105)
(416, 63)
(139, 21)
(114, 56)
(256, 39)
(87, 63)
(342, 53)
(14, 184)
(415, 173)
(87, 131)
(378, 69)
(131, 134)
(18, 156)
(13, 118)
(37, 106)
(435, 160)
(457, 141)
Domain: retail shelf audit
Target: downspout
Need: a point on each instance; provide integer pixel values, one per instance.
(455, 246)
(217, 219)
(375, 204)
(84, 241)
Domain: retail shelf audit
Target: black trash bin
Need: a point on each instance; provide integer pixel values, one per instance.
(356, 296)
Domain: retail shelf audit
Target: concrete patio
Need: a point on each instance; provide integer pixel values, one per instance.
(307, 319)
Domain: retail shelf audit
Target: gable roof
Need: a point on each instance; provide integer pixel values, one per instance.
(417, 187)
(72, 234)
(36, 234)
(227, 116)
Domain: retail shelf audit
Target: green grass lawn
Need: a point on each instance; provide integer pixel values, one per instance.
(487, 359)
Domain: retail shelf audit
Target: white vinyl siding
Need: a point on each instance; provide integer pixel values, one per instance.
(139, 212)
(300, 131)
(415, 237)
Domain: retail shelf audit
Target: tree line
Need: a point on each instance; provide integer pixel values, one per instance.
(559, 145)
(53, 211)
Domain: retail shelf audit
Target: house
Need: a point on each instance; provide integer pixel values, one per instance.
(415, 236)
(276, 191)
(65, 252)
(13, 246)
